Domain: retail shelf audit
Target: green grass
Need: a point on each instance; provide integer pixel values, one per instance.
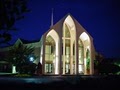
(22, 75)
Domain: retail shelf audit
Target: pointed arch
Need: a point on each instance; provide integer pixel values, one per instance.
(51, 52)
(53, 34)
(70, 21)
(68, 39)
(84, 37)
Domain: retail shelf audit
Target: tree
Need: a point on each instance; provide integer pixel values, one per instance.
(19, 56)
(108, 68)
(10, 12)
(97, 62)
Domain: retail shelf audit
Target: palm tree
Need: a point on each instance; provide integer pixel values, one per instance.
(19, 56)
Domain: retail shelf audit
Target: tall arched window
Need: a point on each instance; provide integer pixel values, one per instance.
(66, 49)
(80, 57)
(86, 41)
(69, 46)
(49, 54)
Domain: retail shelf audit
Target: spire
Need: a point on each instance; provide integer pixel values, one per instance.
(52, 18)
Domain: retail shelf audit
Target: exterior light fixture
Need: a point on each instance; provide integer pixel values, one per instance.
(31, 59)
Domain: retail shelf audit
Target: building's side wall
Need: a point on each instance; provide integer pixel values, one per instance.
(37, 54)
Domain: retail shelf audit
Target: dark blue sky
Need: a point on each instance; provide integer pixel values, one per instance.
(101, 18)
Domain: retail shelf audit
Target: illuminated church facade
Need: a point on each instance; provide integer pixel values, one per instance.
(67, 49)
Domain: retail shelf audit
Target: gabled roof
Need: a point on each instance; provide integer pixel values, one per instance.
(24, 41)
(61, 21)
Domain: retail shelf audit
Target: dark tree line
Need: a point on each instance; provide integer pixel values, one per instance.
(107, 67)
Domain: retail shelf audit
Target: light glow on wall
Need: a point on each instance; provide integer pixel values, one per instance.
(13, 69)
(56, 66)
(57, 60)
(80, 69)
(88, 47)
(41, 56)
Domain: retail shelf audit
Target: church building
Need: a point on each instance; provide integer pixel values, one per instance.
(67, 49)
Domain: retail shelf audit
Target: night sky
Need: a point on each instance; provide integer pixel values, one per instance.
(101, 18)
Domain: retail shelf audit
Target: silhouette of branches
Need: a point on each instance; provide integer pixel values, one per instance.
(10, 12)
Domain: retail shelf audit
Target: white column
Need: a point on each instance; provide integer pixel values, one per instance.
(76, 55)
(63, 55)
(60, 56)
(56, 60)
(85, 68)
(41, 54)
(71, 57)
